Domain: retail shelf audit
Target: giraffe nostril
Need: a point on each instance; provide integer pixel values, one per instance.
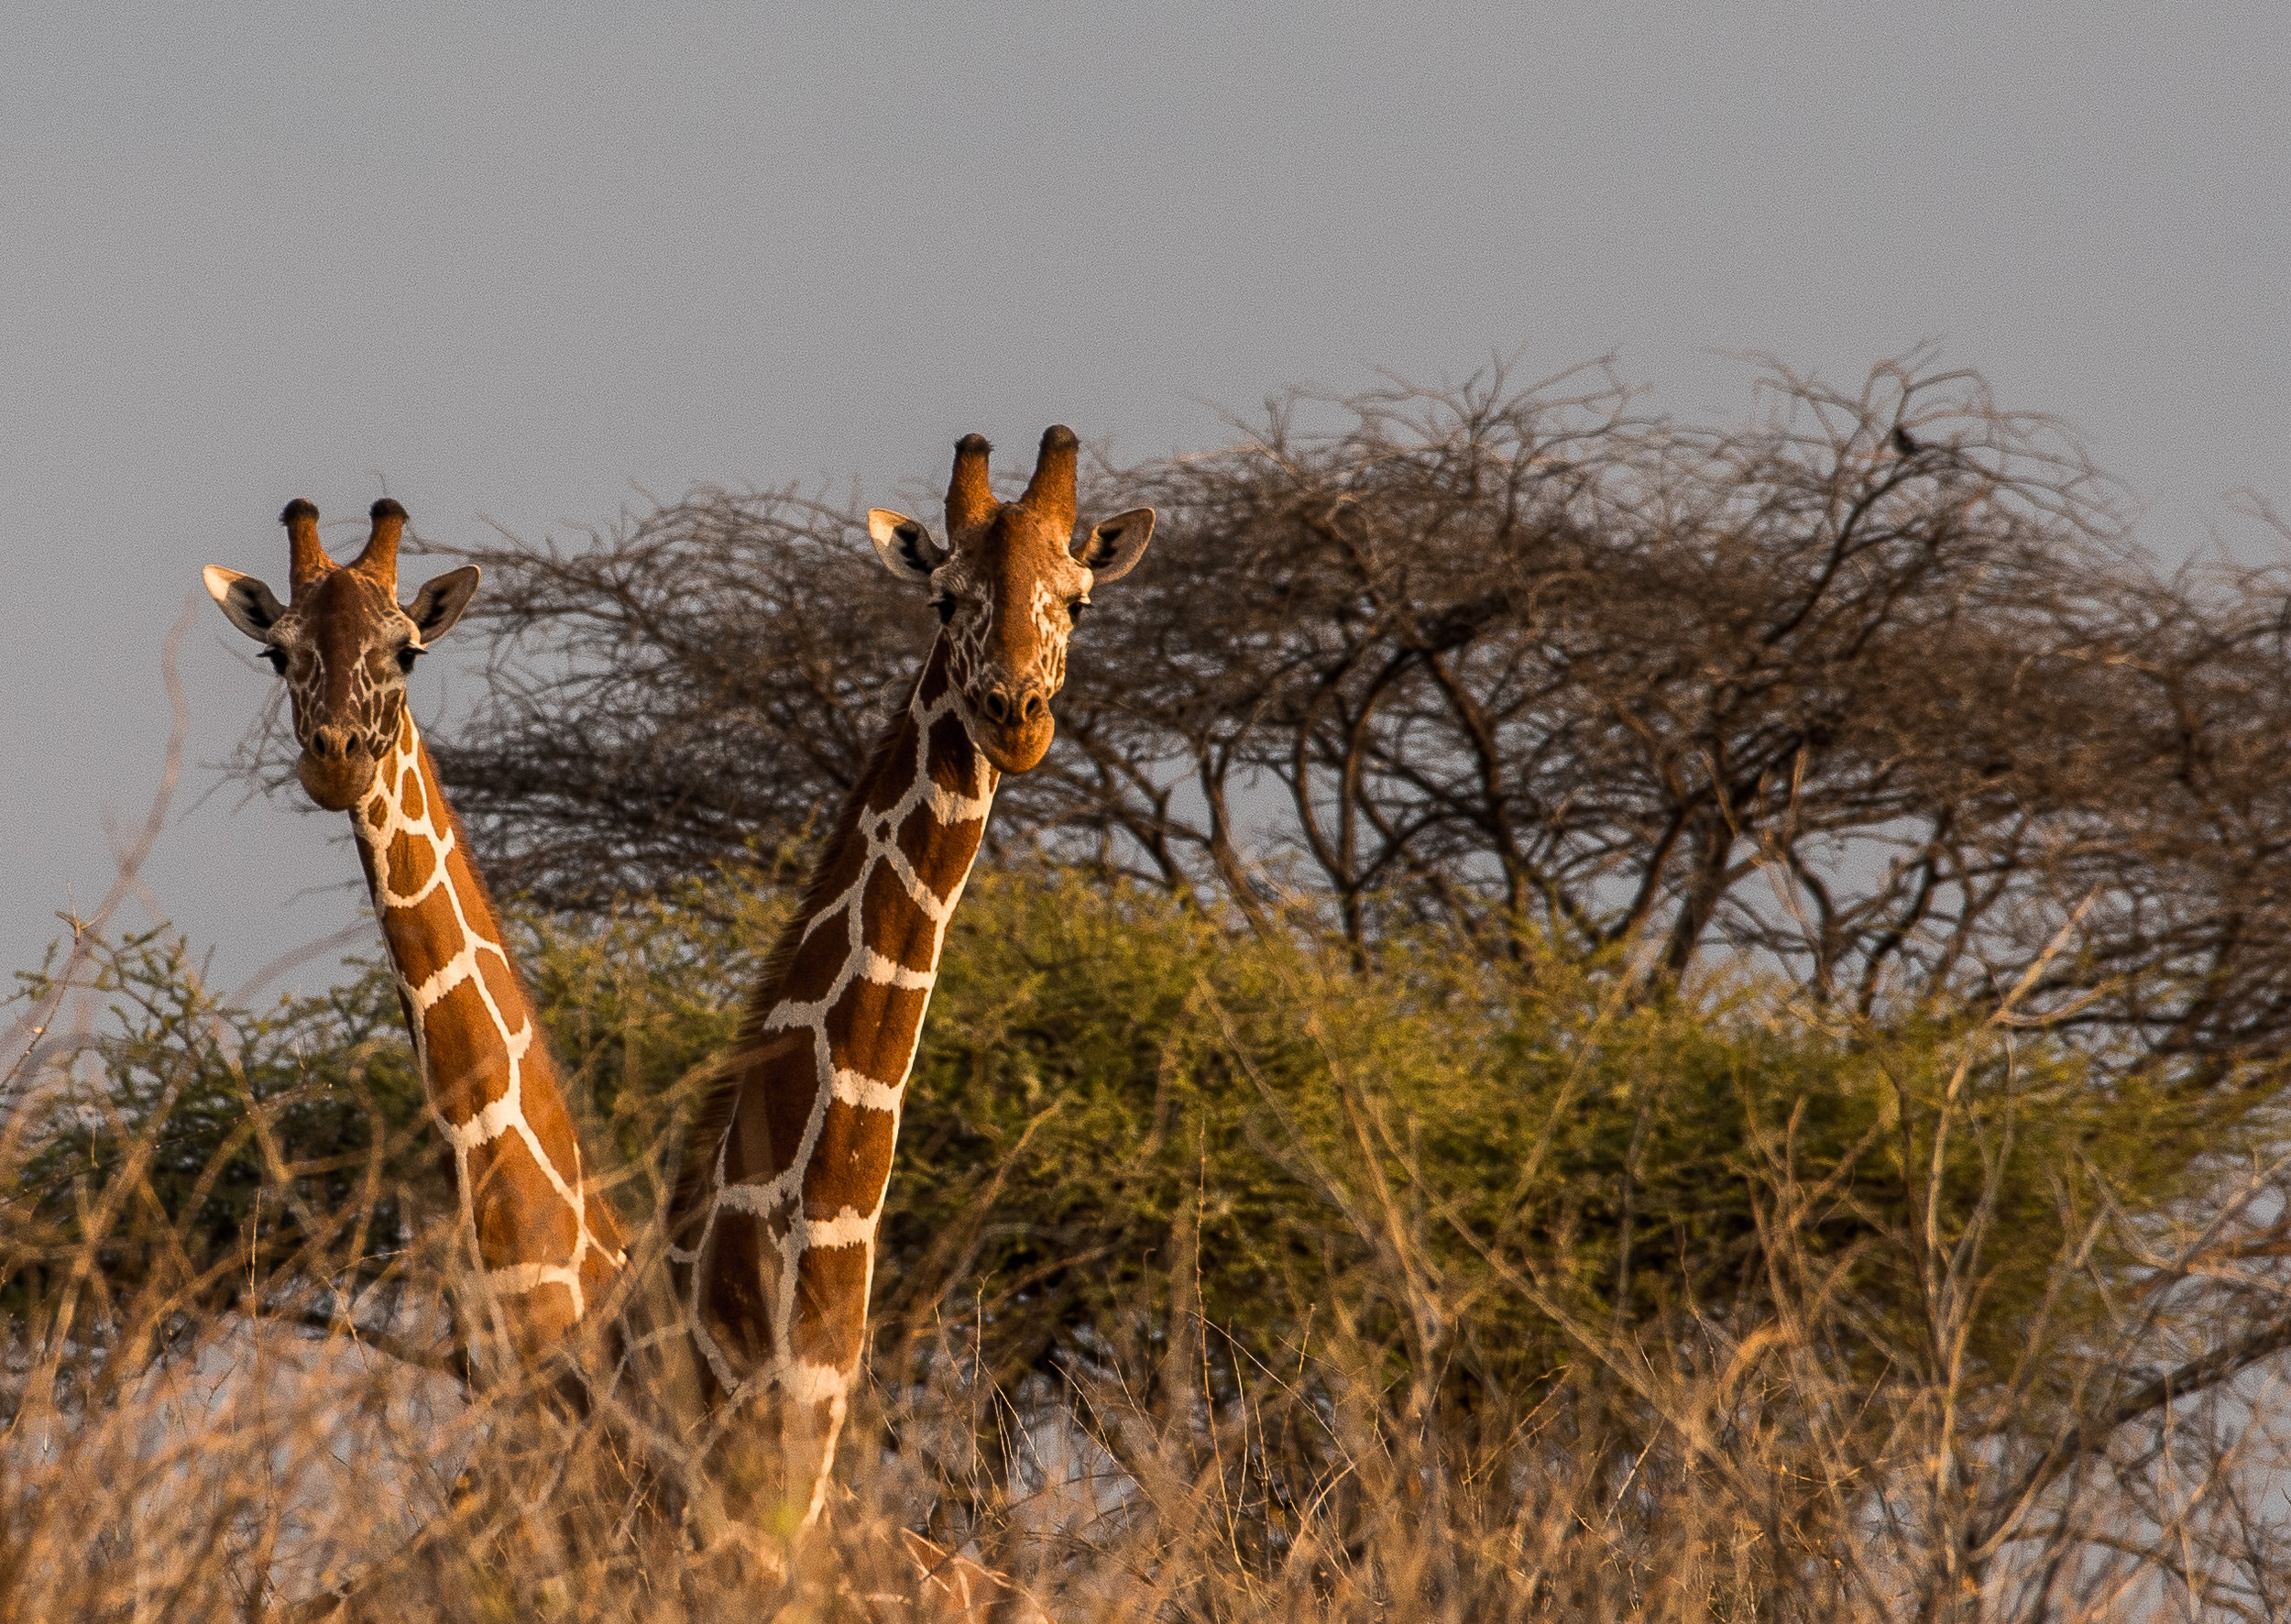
(997, 706)
(1034, 708)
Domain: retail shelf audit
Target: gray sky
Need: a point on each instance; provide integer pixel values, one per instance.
(514, 260)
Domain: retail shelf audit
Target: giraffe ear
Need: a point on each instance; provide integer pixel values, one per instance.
(440, 602)
(904, 545)
(1114, 546)
(245, 602)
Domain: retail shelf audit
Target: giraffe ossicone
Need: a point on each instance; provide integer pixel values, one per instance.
(545, 1246)
(773, 1227)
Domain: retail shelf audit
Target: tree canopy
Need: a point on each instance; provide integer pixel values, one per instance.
(1874, 686)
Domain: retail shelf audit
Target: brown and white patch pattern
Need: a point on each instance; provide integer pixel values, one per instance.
(534, 1230)
(782, 1252)
(544, 1247)
(774, 1223)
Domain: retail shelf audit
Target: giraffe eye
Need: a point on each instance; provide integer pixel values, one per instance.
(945, 607)
(1076, 609)
(276, 656)
(407, 656)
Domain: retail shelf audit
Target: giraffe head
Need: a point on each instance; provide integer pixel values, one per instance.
(1009, 585)
(343, 643)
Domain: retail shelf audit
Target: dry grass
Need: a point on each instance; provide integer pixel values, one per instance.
(1933, 1418)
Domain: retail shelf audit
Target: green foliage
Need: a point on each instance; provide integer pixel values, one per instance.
(207, 1145)
(641, 999)
(1115, 1092)
(1106, 1073)
(1124, 1115)
(1518, 1136)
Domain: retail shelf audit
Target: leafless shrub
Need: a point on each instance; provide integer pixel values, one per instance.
(624, 723)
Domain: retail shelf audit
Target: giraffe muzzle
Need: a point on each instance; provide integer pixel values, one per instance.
(1011, 725)
(335, 769)
(1014, 707)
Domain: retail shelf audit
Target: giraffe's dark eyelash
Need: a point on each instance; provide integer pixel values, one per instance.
(277, 657)
(945, 607)
(1076, 609)
(407, 656)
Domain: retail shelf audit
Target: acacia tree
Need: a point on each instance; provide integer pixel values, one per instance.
(1873, 684)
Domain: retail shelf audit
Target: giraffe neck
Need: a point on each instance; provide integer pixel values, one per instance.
(779, 1220)
(546, 1247)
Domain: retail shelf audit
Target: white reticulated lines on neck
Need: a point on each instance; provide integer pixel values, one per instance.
(777, 1202)
(381, 821)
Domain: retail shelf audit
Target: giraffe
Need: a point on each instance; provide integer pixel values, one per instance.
(773, 1227)
(547, 1249)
